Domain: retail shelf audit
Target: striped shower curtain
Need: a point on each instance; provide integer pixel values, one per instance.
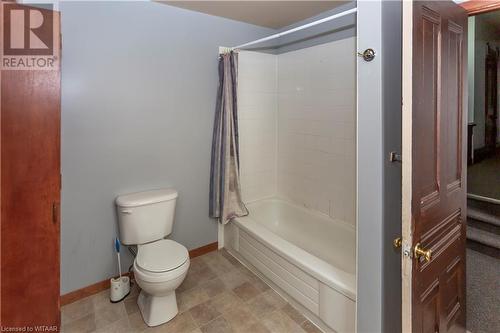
(225, 190)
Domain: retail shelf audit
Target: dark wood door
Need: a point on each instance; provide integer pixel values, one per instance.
(30, 194)
(491, 100)
(434, 168)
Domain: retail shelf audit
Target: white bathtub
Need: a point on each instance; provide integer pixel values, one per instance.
(307, 255)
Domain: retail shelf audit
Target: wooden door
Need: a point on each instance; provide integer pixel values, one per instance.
(434, 166)
(491, 100)
(30, 189)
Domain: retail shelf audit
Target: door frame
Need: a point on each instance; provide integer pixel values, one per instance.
(407, 152)
(479, 7)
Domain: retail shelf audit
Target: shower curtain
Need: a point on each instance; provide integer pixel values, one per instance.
(225, 190)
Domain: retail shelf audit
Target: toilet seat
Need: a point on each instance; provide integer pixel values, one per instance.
(161, 256)
(161, 261)
(150, 277)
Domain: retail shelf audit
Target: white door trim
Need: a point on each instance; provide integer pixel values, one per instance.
(406, 231)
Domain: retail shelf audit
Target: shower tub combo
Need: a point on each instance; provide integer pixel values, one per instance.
(306, 256)
(297, 137)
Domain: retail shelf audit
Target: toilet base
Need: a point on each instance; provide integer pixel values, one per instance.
(157, 310)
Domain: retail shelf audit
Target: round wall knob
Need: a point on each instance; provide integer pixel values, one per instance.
(367, 55)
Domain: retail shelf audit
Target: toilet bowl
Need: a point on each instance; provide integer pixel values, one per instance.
(159, 268)
(145, 219)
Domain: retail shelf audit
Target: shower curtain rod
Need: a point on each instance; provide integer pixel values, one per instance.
(302, 27)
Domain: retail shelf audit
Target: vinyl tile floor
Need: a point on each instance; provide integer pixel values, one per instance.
(219, 295)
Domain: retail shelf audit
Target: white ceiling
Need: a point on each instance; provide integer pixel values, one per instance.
(271, 14)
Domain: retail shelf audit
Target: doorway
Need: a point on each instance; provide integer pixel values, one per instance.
(483, 174)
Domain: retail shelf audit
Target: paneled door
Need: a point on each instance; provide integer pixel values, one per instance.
(30, 169)
(434, 166)
(491, 99)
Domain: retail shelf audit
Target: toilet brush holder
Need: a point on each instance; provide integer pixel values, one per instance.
(120, 288)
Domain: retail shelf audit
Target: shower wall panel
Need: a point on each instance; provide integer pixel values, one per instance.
(297, 119)
(316, 128)
(258, 109)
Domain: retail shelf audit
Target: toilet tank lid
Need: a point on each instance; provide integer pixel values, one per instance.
(146, 197)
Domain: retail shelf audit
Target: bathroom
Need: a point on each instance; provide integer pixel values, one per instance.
(148, 233)
(139, 86)
(324, 67)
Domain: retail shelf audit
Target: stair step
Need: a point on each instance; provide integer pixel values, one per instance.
(484, 206)
(483, 216)
(483, 237)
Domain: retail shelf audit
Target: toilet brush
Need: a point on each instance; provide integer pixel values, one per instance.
(117, 248)
(120, 287)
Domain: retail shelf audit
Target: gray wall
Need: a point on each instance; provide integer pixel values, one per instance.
(139, 81)
(379, 181)
(392, 118)
(369, 170)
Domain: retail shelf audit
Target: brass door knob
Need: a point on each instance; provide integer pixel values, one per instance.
(419, 252)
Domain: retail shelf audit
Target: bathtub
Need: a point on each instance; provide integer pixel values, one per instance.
(308, 256)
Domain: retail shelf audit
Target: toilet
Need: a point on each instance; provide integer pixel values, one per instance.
(145, 219)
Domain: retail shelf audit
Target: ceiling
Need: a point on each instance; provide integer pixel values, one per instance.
(271, 14)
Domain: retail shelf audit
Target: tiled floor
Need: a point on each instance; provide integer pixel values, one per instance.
(219, 295)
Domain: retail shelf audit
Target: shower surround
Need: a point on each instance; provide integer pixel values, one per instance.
(297, 116)
(297, 119)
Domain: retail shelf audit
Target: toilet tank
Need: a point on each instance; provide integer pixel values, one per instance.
(147, 216)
